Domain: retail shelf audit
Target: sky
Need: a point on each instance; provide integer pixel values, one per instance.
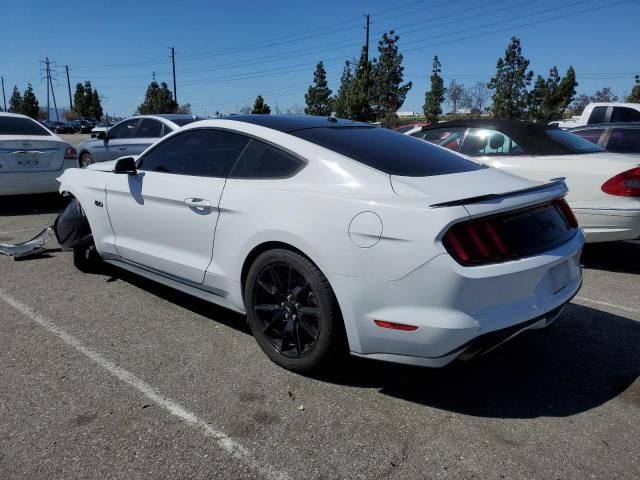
(227, 52)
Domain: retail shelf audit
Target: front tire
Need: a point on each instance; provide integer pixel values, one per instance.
(85, 160)
(293, 312)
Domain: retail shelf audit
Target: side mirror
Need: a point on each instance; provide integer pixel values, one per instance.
(125, 165)
(101, 135)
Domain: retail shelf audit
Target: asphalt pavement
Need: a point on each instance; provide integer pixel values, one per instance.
(109, 375)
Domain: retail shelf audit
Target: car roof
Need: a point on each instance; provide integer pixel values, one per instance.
(292, 123)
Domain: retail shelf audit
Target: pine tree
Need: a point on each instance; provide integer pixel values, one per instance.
(433, 98)
(634, 96)
(158, 99)
(95, 106)
(318, 97)
(29, 105)
(510, 83)
(260, 107)
(360, 92)
(388, 93)
(341, 100)
(537, 98)
(79, 101)
(15, 102)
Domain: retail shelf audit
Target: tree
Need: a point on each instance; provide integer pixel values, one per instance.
(579, 104)
(341, 100)
(388, 93)
(245, 110)
(86, 101)
(433, 98)
(95, 106)
(318, 97)
(454, 93)
(634, 96)
(360, 91)
(79, 100)
(510, 83)
(29, 105)
(158, 99)
(480, 94)
(260, 107)
(15, 102)
(295, 109)
(604, 95)
(550, 98)
(185, 109)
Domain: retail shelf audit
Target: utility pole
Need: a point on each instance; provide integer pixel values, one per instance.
(53, 94)
(366, 44)
(4, 99)
(48, 75)
(69, 86)
(173, 63)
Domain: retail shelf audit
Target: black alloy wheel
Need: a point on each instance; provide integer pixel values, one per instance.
(292, 311)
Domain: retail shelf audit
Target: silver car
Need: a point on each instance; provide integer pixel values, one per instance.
(129, 137)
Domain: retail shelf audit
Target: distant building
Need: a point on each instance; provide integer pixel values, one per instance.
(406, 114)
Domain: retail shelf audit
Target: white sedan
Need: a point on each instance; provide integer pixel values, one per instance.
(333, 234)
(31, 156)
(604, 187)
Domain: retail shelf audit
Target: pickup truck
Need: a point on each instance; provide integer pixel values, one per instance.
(612, 112)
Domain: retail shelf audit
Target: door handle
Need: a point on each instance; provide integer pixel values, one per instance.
(122, 148)
(197, 203)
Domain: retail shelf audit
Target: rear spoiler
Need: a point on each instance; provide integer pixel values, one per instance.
(492, 196)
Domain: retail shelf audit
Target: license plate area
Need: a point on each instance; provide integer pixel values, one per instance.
(560, 276)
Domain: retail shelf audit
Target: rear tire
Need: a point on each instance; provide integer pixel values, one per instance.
(293, 312)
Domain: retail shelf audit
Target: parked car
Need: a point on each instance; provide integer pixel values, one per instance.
(101, 127)
(62, 127)
(614, 137)
(130, 137)
(330, 233)
(611, 112)
(604, 188)
(31, 156)
(84, 125)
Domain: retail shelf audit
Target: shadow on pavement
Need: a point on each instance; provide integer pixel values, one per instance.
(585, 359)
(622, 257)
(32, 204)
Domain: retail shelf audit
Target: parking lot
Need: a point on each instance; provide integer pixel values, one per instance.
(111, 376)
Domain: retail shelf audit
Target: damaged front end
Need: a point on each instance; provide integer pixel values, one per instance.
(71, 229)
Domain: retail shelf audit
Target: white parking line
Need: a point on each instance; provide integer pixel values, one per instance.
(225, 442)
(607, 304)
(20, 230)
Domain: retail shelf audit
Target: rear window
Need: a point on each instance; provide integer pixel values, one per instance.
(21, 126)
(181, 122)
(624, 140)
(387, 151)
(573, 142)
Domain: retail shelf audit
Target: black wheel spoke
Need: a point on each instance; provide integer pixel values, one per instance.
(299, 290)
(276, 281)
(296, 338)
(308, 330)
(271, 289)
(315, 311)
(277, 317)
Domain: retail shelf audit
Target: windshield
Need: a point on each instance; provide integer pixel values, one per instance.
(21, 126)
(573, 142)
(390, 152)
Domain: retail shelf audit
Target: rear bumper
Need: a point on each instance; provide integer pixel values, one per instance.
(609, 225)
(452, 306)
(26, 183)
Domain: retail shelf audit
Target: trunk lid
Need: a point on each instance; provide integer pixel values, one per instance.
(29, 154)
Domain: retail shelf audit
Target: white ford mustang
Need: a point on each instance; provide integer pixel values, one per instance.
(330, 233)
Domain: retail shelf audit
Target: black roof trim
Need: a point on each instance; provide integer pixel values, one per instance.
(292, 123)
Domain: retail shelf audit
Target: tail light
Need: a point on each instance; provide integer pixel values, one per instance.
(625, 184)
(511, 235)
(70, 154)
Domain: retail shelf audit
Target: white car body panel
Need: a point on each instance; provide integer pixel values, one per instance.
(30, 164)
(328, 211)
(603, 217)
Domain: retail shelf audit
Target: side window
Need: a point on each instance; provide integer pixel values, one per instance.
(624, 140)
(450, 138)
(481, 142)
(149, 129)
(261, 160)
(625, 114)
(166, 130)
(597, 115)
(124, 129)
(202, 153)
(592, 134)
